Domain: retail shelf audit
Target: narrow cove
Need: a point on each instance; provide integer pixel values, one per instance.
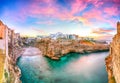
(72, 68)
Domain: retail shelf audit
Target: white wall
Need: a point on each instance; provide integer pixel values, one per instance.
(2, 44)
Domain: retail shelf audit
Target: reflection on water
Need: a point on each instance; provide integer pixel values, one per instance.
(72, 68)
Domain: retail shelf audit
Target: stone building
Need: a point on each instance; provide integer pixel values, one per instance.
(3, 48)
(8, 52)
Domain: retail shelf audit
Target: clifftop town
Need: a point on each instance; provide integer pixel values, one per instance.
(10, 47)
(54, 46)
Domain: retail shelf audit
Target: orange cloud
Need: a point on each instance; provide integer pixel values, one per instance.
(101, 31)
(37, 30)
(101, 34)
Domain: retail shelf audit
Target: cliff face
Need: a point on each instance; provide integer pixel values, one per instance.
(57, 48)
(113, 60)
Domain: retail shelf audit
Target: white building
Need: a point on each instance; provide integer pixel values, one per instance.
(3, 38)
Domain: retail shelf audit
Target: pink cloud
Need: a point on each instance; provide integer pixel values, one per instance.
(112, 11)
(96, 3)
(117, 1)
(100, 16)
(53, 10)
(78, 6)
(94, 13)
(46, 22)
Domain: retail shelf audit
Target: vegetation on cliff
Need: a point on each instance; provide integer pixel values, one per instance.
(2, 62)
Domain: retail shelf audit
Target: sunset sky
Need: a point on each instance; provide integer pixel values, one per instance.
(94, 18)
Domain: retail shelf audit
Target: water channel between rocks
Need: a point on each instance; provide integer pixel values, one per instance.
(71, 68)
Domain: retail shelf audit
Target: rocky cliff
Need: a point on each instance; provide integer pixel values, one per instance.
(113, 60)
(57, 48)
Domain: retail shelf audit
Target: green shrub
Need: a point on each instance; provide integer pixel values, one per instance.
(112, 80)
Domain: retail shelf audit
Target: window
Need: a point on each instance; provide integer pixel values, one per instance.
(1, 32)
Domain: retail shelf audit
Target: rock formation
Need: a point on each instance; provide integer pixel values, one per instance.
(113, 60)
(57, 48)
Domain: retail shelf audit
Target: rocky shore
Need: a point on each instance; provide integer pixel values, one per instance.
(113, 60)
(57, 48)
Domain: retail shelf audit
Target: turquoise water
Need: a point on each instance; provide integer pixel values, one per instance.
(72, 68)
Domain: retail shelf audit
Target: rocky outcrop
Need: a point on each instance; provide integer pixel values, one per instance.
(113, 60)
(57, 48)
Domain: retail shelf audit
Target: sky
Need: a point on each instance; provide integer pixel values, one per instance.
(91, 18)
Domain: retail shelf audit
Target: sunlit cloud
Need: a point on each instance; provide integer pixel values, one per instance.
(101, 31)
(102, 34)
(47, 13)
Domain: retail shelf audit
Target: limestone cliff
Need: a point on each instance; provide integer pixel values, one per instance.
(57, 48)
(113, 60)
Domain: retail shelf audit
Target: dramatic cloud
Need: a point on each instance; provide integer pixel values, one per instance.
(47, 12)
